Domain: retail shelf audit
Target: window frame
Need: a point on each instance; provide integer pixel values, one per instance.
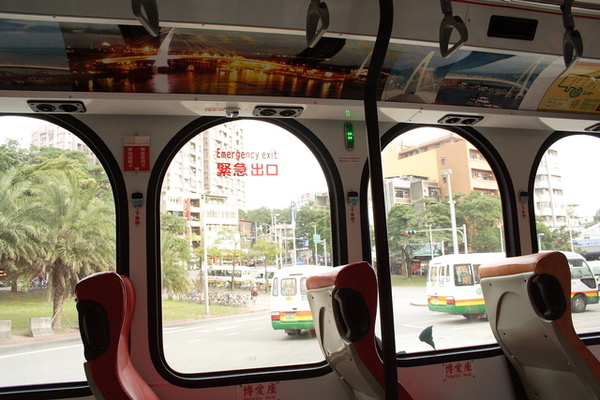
(339, 255)
(119, 190)
(510, 224)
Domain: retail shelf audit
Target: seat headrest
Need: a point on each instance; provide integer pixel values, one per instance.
(351, 314)
(102, 305)
(93, 325)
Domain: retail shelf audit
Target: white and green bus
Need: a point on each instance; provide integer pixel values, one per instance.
(290, 310)
(453, 283)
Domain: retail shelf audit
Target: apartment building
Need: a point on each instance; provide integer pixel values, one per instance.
(451, 162)
(198, 187)
(50, 135)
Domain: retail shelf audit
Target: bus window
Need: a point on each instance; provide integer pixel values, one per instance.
(443, 275)
(476, 272)
(236, 205)
(442, 200)
(288, 287)
(56, 200)
(566, 213)
(463, 275)
(303, 288)
(433, 273)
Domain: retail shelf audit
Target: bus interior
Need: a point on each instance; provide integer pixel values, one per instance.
(291, 132)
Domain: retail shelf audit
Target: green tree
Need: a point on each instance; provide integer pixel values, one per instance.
(230, 235)
(19, 233)
(562, 238)
(12, 155)
(596, 217)
(265, 249)
(402, 218)
(544, 234)
(260, 216)
(175, 254)
(480, 213)
(552, 239)
(434, 215)
(309, 220)
(80, 231)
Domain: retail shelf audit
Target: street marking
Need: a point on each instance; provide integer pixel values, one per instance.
(41, 351)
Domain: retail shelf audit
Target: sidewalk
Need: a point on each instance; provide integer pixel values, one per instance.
(263, 302)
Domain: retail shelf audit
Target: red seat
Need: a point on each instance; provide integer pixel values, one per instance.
(106, 303)
(343, 303)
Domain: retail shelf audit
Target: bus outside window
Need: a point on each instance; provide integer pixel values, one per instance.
(225, 231)
(290, 310)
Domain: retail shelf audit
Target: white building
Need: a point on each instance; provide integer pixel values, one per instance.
(198, 185)
(548, 191)
(50, 135)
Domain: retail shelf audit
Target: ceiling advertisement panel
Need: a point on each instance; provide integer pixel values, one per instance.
(52, 56)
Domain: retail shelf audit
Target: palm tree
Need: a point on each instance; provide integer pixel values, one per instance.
(175, 254)
(18, 232)
(80, 237)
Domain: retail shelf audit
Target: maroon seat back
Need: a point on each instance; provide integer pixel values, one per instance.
(106, 303)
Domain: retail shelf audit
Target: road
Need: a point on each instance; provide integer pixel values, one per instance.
(247, 341)
(237, 341)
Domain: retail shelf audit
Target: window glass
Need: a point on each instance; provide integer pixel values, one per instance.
(463, 275)
(433, 273)
(255, 201)
(476, 272)
(303, 288)
(434, 243)
(567, 218)
(288, 287)
(56, 201)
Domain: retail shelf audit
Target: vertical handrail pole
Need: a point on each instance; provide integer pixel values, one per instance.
(386, 18)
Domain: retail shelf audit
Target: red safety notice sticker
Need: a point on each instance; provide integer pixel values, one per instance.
(458, 370)
(136, 153)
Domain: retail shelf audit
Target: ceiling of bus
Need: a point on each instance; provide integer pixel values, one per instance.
(107, 58)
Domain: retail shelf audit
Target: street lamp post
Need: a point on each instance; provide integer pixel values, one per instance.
(447, 173)
(293, 219)
(314, 236)
(431, 241)
(539, 240)
(570, 231)
(278, 258)
(205, 253)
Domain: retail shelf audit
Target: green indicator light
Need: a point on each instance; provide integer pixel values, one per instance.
(347, 113)
(349, 131)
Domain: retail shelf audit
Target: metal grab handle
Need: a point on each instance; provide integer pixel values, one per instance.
(146, 11)
(572, 47)
(317, 12)
(449, 23)
(572, 41)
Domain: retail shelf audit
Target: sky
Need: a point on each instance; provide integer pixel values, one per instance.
(17, 128)
(580, 160)
(298, 171)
